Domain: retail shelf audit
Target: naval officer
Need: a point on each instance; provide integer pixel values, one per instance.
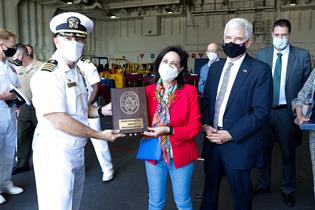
(60, 100)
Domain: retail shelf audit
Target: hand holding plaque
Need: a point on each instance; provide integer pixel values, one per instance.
(157, 131)
(129, 109)
(110, 135)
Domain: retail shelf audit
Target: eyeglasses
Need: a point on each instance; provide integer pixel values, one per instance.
(173, 64)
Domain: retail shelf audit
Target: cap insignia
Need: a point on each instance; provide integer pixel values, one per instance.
(73, 22)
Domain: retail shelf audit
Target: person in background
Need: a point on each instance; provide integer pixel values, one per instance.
(8, 77)
(305, 100)
(92, 79)
(26, 120)
(236, 105)
(30, 50)
(174, 117)
(212, 54)
(60, 101)
(291, 67)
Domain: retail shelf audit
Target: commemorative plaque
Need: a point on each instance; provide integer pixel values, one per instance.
(129, 109)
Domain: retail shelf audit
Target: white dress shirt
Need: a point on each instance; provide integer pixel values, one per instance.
(234, 71)
(284, 65)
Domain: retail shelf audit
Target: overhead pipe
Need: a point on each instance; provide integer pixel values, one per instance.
(77, 1)
(80, 1)
(299, 6)
(140, 3)
(250, 9)
(93, 6)
(285, 2)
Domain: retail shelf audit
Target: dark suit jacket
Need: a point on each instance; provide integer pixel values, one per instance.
(298, 70)
(247, 110)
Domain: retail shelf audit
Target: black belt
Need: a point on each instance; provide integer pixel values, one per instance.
(281, 106)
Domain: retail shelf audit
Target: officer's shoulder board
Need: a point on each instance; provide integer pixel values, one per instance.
(49, 66)
(86, 60)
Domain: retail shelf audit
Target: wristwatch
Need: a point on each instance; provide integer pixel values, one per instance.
(171, 130)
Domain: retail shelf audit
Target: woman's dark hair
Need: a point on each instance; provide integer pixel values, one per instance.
(183, 63)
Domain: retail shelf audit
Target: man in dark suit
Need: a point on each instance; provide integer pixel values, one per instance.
(291, 67)
(236, 105)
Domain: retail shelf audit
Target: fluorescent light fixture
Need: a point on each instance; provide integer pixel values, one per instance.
(169, 10)
(69, 2)
(112, 15)
(292, 2)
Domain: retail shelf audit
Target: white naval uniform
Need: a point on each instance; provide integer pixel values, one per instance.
(101, 147)
(7, 125)
(58, 156)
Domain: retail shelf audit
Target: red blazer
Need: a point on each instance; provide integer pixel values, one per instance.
(185, 120)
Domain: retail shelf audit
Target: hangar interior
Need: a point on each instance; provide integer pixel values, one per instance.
(136, 30)
(130, 28)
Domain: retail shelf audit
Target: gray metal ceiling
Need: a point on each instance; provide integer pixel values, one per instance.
(99, 9)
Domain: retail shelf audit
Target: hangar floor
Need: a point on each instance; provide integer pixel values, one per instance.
(128, 191)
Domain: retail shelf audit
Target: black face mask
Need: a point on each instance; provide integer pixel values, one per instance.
(233, 50)
(17, 62)
(9, 52)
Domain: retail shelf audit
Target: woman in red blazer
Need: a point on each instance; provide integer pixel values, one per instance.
(174, 117)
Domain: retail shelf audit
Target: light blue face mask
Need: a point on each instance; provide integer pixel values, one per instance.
(280, 43)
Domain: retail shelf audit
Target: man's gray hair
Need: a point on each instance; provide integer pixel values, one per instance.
(240, 23)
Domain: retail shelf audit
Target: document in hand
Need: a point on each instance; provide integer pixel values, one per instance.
(20, 98)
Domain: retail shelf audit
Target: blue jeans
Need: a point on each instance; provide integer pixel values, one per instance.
(181, 181)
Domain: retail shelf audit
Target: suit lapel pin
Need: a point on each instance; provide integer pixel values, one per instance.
(245, 71)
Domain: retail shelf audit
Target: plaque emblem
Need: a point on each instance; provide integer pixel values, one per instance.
(129, 102)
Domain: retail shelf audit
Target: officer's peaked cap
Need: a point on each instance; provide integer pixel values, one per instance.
(71, 23)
